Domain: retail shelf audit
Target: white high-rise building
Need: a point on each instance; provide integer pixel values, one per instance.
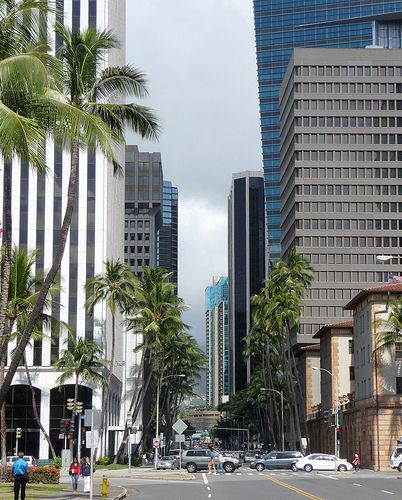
(38, 204)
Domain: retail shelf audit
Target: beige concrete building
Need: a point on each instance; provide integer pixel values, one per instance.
(309, 358)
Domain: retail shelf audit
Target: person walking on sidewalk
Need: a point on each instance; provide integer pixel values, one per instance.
(86, 474)
(220, 462)
(356, 462)
(19, 472)
(74, 472)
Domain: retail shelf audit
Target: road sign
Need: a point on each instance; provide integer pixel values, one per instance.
(179, 426)
(97, 418)
(91, 439)
(156, 443)
(180, 438)
(65, 458)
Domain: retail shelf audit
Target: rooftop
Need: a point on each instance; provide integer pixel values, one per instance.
(334, 326)
(389, 288)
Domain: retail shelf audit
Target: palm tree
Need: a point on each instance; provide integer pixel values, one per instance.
(81, 361)
(116, 287)
(95, 120)
(391, 329)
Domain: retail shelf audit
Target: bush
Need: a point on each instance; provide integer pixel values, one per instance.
(57, 462)
(105, 461)
(40, 475)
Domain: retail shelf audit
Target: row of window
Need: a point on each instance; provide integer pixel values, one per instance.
(355, 277)
(363, 356)
(331, 294)
(137, 223)
(322, 311)
(133, 249)
(346, 259)
(347, 207)
(349, 173)
(348, 70)
(348, 138)
(348, 190)
(137, 262)
(349, 156)
(349, 88)
(348, 241)
(349, 224)
(348, 104)
(138, 236)
(348, 121)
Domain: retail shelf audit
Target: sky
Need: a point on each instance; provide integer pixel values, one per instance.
(199, 56)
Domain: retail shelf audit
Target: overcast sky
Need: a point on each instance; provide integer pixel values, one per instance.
(199, 56)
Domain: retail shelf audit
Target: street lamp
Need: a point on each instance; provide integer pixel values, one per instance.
(336, 411)
(282, 421)
(157, 409)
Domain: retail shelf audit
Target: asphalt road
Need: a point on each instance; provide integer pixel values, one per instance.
(251, 485)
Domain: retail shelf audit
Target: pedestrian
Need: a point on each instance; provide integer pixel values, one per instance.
(74, 472)
(220, 462)
(144, 459)
(211, 465)
(86, 474)
(356, 462)
(19, 472)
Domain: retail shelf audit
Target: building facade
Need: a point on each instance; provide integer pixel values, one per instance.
(167, 250)
(217, 341)
(341, 144)
(246, 252)
(38, 203)
(282, 25)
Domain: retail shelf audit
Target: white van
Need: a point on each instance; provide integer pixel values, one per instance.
(395, 462)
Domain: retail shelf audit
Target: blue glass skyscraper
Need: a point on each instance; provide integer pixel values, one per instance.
(281, 25)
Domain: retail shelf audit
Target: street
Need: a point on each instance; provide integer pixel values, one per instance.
(247, 484)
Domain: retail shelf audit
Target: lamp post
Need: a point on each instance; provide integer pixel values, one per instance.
(157, 409)
(282, 421)
(336, 411)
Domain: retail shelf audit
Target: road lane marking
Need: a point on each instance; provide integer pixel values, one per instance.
(329, 477)
(204, 477)
(294, 489)
(209, 496)
(238, 473)
(261, 474)
(208, 488)
(389, 492)
(356, 484)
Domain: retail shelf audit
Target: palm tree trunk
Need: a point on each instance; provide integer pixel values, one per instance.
(105, 405)
(3, 425)
(7, 257)
(47, 283)
(35, 410)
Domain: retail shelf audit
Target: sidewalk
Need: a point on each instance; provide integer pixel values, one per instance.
(114, 493)
(147, 473)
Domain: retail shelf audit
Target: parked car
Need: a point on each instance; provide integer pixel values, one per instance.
(322, 461)
(395, 461)
(167, 463)
(28, 458)
(249, 457)
(198, 459)
(277, 460)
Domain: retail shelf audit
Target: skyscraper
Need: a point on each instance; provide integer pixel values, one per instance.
(246, 252)
(341, 146)
(96, 233)
(281, 25)
(167, 252)
(217, 341)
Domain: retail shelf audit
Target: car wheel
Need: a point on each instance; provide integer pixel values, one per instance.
(260, 467)
(308, 467)
(400, 467)
(294, 467)
(191, 467)
(228, 467)
(342, 468)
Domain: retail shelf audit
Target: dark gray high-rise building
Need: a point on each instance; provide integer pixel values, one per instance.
(246, 242)
(167, 251)
(341, 181)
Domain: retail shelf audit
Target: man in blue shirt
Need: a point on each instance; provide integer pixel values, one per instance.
(20, 474)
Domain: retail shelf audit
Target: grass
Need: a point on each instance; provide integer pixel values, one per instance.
(38, 491)
(111, 467)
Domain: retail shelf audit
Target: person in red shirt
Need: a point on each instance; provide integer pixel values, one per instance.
(74, 472)
(356, 462)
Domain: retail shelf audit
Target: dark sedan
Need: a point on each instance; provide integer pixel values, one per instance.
(277, 460)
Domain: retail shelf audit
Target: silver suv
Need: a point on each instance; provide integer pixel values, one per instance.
(198, 459)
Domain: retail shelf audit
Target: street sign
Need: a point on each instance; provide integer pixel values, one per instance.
(180, 438)
(179, 426)
(91, 439)
(65, 458)
(156, 443)
(96, 421)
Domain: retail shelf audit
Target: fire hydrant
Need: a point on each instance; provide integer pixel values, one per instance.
(105, 486)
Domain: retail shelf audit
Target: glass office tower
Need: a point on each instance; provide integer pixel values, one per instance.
(281, 25)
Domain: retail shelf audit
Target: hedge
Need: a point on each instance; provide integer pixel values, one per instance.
(40, 475)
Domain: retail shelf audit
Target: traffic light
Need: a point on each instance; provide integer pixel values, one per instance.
(326, 416)
(78, 407)
(70, 404)
(66, 425)
(18, 432)
(340, 418)
(71, 428)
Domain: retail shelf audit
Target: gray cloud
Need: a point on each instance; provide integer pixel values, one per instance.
(200, 59)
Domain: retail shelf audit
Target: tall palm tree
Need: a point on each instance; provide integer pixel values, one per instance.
(390, 329)
(81, 361)
(116, 288)
(95, 120)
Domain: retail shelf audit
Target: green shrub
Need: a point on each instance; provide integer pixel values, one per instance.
(40, 475)
(57, 462)
(105, 461)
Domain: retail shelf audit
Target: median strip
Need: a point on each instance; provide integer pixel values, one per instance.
(293, 488)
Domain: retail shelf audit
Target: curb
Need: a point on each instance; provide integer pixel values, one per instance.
(121, 495)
